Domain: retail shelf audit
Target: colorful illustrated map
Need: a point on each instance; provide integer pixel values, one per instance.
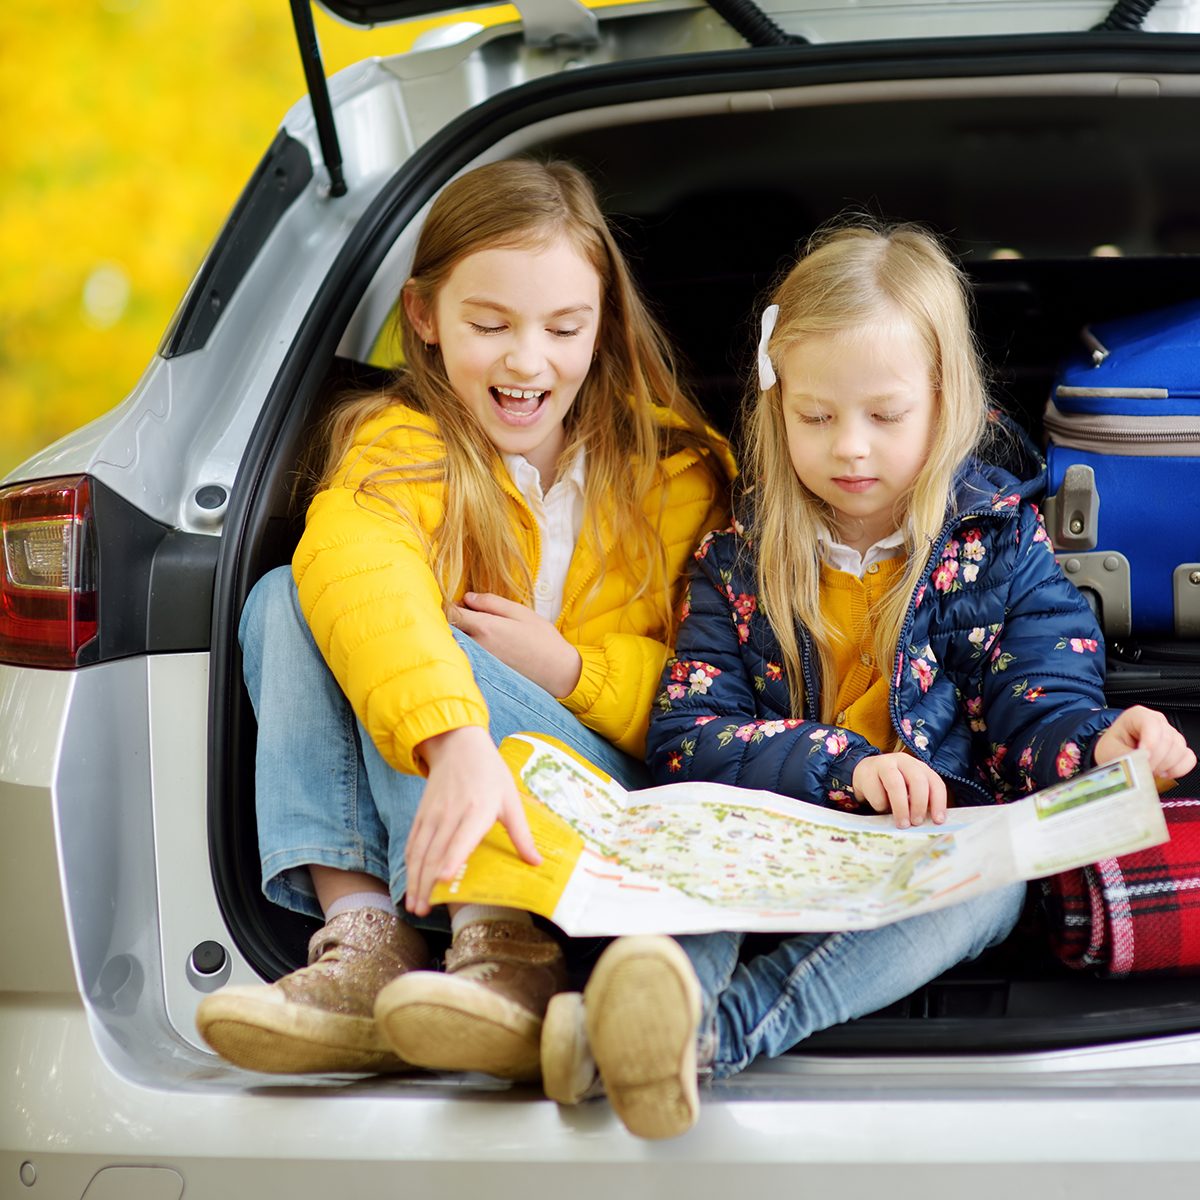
(732, 854)
(701, 856)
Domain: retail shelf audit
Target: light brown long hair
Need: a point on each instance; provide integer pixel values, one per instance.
(850, 278)
(522, 203)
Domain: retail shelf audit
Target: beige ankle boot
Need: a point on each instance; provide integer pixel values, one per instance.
(485, 1012)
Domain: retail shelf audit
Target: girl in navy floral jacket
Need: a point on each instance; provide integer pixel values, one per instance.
(883, 628)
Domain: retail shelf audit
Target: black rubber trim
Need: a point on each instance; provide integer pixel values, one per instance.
(155, 583)
(366, 14)
(255, 928)
(1012, 1017)
(181, 590)
(281, 176)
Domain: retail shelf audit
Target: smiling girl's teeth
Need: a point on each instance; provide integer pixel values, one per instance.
(519, 393)
(519, 405)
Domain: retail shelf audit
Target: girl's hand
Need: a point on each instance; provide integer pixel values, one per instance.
(1141, 728)
(904, 784)
(469, 789)
(521, 639)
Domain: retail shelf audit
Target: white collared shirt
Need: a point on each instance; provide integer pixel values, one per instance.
(559, 517)
(845, 558)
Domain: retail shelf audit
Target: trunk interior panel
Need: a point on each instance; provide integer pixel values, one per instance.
(1065, 209)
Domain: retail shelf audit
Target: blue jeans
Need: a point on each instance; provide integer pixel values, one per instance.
(324, 795)
(814, 980)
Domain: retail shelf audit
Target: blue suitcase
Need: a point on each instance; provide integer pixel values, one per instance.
(1123, 433)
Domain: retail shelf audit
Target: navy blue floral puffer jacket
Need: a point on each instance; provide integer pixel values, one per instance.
(997, 682)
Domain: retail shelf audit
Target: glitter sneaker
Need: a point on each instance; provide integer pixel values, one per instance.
(320, 1018)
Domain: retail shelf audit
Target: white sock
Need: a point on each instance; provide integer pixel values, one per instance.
(469, 913)
(353, 900)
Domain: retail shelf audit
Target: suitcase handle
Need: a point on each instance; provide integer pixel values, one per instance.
(1073, 512)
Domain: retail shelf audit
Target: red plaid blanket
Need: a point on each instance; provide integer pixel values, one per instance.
(1134, 915)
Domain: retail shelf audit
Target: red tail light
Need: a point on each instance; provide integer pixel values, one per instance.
(48, 585)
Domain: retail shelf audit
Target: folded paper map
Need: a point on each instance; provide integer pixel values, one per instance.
(695, 857)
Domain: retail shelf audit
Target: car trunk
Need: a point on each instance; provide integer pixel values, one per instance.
(1065, 172)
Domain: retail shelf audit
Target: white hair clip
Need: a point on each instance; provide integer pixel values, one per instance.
(766, 372)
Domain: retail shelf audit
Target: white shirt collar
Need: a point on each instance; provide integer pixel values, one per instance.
(529, 479)
(845, 558)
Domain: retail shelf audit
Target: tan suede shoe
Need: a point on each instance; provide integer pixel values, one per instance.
(485, 1012)
(569, 1074)
(320, 1018)
(642, 1008)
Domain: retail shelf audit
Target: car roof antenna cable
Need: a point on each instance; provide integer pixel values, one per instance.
(746, 18)
(1126, 15)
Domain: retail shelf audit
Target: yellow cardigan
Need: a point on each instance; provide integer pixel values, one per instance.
(375, 609)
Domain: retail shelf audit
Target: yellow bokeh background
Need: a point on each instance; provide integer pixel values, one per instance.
(131, 127)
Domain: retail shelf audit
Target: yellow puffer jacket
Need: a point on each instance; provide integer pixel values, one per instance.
(375, 608)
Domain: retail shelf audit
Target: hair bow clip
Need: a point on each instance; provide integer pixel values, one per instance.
(766, 371)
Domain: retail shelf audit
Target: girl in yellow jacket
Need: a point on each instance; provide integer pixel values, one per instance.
(497, 544)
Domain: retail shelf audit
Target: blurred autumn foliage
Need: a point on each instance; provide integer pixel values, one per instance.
(130, 128)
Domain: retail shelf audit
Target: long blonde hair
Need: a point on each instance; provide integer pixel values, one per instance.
(522, 203)
(849, 278)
